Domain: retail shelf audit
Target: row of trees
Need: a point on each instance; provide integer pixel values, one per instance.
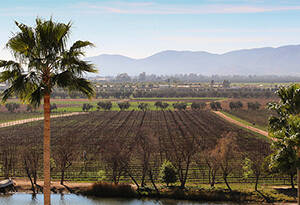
(235, 105)
(126, 93)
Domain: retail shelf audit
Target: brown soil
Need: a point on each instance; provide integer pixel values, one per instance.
(23, 185)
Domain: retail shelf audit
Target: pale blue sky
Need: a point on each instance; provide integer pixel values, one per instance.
(142, 28)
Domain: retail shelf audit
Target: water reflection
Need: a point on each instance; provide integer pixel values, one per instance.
(72, 199)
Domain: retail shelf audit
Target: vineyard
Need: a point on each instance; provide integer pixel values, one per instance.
(127, 146)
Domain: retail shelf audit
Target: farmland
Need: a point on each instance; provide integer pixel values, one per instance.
(104, 136)
(257, 118)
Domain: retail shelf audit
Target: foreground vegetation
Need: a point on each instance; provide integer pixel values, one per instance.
(241, 193)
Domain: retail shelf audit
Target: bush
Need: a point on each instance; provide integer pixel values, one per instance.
(53, 107)
(179, 106)
(124, 105)
(11, 107)
(215, 106)
(168, 173)
(111, 190)
(235, 105)
(161, 105)
(86, 107)
(143, 106)
(104, 105)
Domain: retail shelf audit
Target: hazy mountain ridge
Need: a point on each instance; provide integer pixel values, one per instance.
(283, 60)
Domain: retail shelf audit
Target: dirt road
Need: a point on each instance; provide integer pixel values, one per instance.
(253, 129)
(18, 122)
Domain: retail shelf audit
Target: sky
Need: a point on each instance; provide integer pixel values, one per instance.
(141, 28)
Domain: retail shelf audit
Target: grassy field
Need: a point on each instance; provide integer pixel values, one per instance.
(254, 118)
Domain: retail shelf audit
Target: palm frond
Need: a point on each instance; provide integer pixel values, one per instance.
(67, 80)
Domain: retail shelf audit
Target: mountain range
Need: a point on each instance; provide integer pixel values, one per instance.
(283, 60)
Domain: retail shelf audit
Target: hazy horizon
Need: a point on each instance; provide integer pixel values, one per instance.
(141, 28)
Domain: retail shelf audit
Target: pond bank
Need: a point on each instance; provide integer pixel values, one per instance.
(278, 195)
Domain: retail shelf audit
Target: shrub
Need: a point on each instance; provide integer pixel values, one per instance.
(11, 107)
(143, 106)
(235, 105)
(158, 104)
(104, 105)
(253, 106)
(124, 105)
(86, 107)
(215, 106)
(161, 105)
(53, 107)
(168, 173)
(179, 106)
(111, 190)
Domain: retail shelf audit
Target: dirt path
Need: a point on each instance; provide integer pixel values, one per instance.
(23, 185)
(253, 129)
(18, 122)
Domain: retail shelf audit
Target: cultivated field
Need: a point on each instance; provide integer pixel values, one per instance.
(98, 139)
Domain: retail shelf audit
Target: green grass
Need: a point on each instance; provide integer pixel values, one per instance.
(244, 121)
(133, 106)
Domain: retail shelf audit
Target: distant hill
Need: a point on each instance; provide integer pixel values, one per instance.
(284, 60)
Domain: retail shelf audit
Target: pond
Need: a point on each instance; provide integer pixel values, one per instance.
(72, 199)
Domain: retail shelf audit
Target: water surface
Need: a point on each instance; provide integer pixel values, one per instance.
(72, 199)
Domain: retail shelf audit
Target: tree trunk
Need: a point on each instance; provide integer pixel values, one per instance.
(292, 181)
(47, 179)
(226, 182)
(152, 181)
(298, 179)
(256, 182)
(62, 179)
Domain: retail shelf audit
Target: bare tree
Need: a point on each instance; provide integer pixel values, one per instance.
(30, 156)
(227, 152)
(212, 162)
(65, 152)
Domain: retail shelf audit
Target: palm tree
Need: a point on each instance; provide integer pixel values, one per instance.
(285, 126)
(44, 62)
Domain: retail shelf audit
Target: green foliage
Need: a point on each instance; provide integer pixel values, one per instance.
(168, 173)
(124, 105)
(236, 105)
(53, 107)
(101, 175)
(86, 107)
(179, 106)
(143, 106)
(104, 105)
(43, 62)
(195, 106)
(161, 105)
(11, 107)
(215, 105)
(247, 168)
(284, 160)
(285, 127)
(158, 104)
(253, 106)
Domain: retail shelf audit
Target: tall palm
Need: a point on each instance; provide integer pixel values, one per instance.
(44, 62)
(285, 126)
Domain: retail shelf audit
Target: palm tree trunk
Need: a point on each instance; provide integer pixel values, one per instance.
(47, 149)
